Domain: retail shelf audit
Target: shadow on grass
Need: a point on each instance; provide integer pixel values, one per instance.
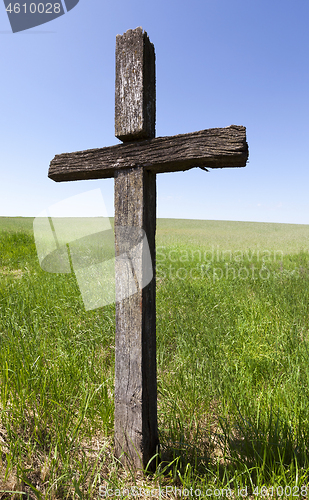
(273, 447)
(258, 454)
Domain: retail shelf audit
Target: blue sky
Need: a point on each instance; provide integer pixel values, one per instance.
(218, 62)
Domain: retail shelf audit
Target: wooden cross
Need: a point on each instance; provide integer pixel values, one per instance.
(134, 165)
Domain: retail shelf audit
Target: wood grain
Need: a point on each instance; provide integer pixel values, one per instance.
(135, 89)
(212, 148)
(136, 431)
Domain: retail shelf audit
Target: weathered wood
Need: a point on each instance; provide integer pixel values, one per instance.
(135, 91)
(134, 166)
(213, 148)
(136, 428)
(136, 432)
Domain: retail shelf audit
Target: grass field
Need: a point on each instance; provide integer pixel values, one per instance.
(233, 372)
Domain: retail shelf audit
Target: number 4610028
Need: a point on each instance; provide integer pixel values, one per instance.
(49, 8)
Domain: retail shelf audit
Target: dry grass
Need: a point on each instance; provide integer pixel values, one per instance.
(15, 273)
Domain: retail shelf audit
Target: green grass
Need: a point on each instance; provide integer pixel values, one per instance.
(232, 353)
(17, 224)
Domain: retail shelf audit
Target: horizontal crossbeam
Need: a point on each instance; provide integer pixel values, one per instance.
(212, 148)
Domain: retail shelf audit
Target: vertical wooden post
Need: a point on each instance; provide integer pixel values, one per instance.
(135, 86)
(136, 432)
